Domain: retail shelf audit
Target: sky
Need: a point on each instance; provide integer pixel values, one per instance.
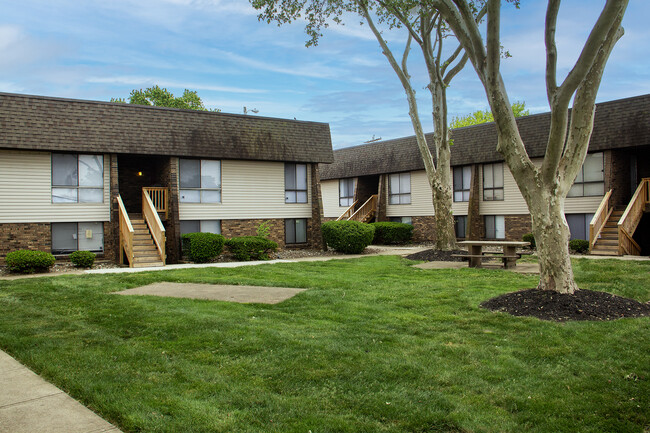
(97, 50)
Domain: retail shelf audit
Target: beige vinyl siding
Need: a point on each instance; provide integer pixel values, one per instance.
(514, 204)
(421, 200)
(459, 207)
(26, 192)
(250, 190)
(330, 192)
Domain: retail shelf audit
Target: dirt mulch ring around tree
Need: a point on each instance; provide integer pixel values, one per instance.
(558, 307)
(437, 256)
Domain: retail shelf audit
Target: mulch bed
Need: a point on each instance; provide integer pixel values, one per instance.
(437, 256)
(558, 307)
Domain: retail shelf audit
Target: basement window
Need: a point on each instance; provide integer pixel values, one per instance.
(201, 226)
(579, 225)
(295, 231)
(69, 237)
(495, 227)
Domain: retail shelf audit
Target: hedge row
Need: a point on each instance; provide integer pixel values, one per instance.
(203, 247)
(28, 261)
(392, 233)
(576, 245)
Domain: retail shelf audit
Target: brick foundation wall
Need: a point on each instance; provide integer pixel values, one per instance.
(475, 222)
(234, 228)
(423, 229)
(517, 226)
(24, 236)
(616, 167)
(381, 200)
(172, 224)
(314, 234)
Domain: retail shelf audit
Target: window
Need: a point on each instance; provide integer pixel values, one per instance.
(493, 181)
(399, 189)
(77, 178)
(495, 227)
(346, 191)
(295, 231)
(200, 181)
(460, 226)
(579, 225)
(69, 237)
(203, 226)
(590, 180)
(403, 220)
(462, 181)
(295, 183)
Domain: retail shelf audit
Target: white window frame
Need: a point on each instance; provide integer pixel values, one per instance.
(461, 192)
(79, 189)
(292, 195)
(77, 235)
(344, 184)
(499, 224)
(291, 226)
(596, 187)
(203, 191)
(203, 226)
(400, 182)
(492, 192)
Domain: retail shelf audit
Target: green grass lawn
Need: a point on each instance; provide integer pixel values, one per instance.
(373, 346)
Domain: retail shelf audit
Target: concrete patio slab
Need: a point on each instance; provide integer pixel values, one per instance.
(216, 292)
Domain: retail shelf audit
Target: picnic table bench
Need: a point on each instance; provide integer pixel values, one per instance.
(509, 255)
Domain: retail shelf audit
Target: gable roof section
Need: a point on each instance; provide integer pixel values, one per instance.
(57, 124)
(622, 123)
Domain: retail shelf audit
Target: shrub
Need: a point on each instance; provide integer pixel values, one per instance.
(264, 229)
(82, 259)
(392, 233)
(202, 247)
(247, 248)
(350, 237)
(579, 245)
(28, 261)
(529, 237)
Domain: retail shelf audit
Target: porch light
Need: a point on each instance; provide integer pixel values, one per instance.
(139, 173)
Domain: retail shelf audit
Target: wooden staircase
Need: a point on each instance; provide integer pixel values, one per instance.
(145, 253)
(611, 229)
(364, 214)
(607, 243)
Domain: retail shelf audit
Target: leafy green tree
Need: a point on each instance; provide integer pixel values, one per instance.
(425, 28)
(485, 116)
(161, 97)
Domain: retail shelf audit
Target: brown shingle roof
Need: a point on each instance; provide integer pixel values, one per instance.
(46, 123)
(618, 124)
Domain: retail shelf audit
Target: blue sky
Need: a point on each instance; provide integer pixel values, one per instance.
(96, 50)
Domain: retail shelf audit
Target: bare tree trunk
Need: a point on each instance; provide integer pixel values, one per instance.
(552, 240)
(441, 183)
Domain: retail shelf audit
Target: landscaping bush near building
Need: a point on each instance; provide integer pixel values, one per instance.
(579, 245)
(529, 237)
(350, 237)
(28, 261)
(202, 247)
(392, 233)
(82, 259)
(247, 248)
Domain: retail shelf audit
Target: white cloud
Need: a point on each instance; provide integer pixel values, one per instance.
(149, 81)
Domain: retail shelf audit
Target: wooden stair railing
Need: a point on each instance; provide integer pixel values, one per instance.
(126, 233)
(366, 211)
(600, 218)
(159, 197)
(156, 228)
(631, 218)
(348, 212)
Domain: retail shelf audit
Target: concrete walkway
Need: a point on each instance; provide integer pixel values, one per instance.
(29, 404)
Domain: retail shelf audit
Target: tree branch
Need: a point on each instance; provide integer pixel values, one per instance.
(551, 49)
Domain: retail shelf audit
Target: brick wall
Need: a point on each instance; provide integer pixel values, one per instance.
(475, 222)
(381, 200)
(169, 175)
(112, 229)
(517, 226)
(314, 234)
(423, 229)
(233, 228)
(28, 236)
(616, 167)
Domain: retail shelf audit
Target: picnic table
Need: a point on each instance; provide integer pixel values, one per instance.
(509, 255)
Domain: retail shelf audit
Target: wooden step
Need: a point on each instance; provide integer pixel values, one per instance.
(155, 264)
